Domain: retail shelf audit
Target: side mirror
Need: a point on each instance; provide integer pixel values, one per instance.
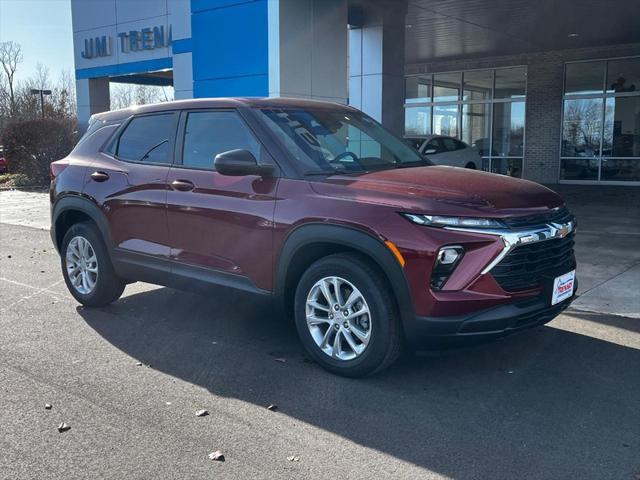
(240, 163)
(430, 151)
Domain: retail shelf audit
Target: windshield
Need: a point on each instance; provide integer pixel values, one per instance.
(339, 141)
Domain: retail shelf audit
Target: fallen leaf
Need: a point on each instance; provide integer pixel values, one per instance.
(139, 364)
(63, 427)
(202, 413)
(273, 408)
(47, 406)
(216, 456)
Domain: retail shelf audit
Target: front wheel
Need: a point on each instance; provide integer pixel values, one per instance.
(87, 268)
(345, 316)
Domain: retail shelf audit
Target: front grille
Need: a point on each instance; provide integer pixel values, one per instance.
(560, 215)
(529, 265)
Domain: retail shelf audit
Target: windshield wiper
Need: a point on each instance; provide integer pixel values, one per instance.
(334, 172)
(412, 164)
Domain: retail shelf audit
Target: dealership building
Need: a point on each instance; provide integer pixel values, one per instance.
(544, 90)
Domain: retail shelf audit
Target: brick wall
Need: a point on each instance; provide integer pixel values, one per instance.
(544, 98)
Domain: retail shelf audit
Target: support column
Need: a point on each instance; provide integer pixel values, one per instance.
(308, 49)
(376, 63)
(93, 97)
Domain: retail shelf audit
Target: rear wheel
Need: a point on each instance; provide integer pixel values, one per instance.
(87, 268)
(345, 316)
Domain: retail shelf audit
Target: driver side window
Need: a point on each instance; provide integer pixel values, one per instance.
(209, 133)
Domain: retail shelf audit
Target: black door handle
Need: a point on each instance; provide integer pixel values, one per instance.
(182, 185)
(99, 177)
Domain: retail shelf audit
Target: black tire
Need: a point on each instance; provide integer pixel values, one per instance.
(385, 343)
(470, 165)
(109, 286)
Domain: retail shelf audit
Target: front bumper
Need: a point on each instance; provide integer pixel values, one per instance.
(486, 324)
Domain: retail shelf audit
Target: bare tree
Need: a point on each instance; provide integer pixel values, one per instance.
(10, 57)
(125, 95)
(64, 95)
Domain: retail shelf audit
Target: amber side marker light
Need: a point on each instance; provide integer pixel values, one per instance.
(390, 245)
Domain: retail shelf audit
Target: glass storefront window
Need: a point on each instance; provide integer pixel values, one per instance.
(623, 75)
(446, 87)
(584, 78)
(508, 129)
(507, 166)
(477, 85)
(510, 82)
(620, 169)
(581, 127)
(476, 127)
(417, 121)
(601, 131)
(445, 120)
(483, 108)
(622, 127)
(579, 169)
(418, 89)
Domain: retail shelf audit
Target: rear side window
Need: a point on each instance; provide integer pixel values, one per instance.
(449, 144)
(435, 144)
(148, 139)
(210, 133)
(460, 145)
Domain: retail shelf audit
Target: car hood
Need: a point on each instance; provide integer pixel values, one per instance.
(443, 190)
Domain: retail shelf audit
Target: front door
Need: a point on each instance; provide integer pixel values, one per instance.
(220, 226)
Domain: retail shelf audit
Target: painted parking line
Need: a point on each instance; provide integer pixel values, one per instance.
(36, 291)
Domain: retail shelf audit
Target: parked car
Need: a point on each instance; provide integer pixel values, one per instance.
(443, 150)
(4, 164)
(366, 244)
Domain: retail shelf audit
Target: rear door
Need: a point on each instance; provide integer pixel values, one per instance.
(220, 227)
(129, 182)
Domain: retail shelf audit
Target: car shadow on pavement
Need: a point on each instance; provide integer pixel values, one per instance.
(546, 404)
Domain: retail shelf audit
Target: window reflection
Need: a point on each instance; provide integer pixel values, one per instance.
(584, 77)
(446, 87)
(476, 127)
(445, 120)
(417, 121)
(484, 108)
(623, 75)
(581, 127)
(418, 89)
(622, 127)
(579, 169)
(508, 129)
(510, 82)
(477, 85)
(507, 166)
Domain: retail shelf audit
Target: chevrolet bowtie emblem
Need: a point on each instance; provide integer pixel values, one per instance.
(561, 230)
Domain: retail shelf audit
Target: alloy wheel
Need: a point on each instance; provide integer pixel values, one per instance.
(82, 265)
(338, 318)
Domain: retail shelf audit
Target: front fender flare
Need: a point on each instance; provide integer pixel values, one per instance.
(354, 239)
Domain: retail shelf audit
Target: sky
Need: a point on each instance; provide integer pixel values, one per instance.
(43, 28)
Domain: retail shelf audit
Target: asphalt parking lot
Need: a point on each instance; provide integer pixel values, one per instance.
(560, 401)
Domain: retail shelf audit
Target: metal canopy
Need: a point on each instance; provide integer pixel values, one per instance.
(450, 29)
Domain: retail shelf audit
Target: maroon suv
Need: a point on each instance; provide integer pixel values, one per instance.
(365, 242)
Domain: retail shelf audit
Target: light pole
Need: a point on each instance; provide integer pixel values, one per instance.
(42, 93)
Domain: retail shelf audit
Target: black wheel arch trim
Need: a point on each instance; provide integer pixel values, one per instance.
(92, 210)
(354, 239)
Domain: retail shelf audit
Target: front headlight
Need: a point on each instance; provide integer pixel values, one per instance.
(463, 222)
